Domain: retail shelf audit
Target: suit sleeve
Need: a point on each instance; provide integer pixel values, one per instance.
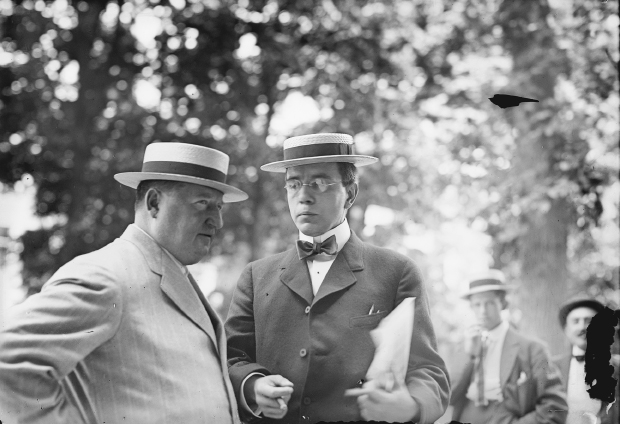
(550, 406)
(44, 339)
(240, 332)
(427, 375)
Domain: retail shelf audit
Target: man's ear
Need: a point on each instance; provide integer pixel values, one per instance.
(352, 191)
(152, 200)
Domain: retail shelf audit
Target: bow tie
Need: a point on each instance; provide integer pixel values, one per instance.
(307, 250)
(580, 358)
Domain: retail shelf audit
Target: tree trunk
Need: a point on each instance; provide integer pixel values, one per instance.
(82, 137)
(545, 221)
(544, 274)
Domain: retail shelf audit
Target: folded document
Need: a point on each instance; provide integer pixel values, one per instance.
(392, 339)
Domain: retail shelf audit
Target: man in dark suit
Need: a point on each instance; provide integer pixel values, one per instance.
(509, 378)
(299, 322)
(123, 334)
(575, 316)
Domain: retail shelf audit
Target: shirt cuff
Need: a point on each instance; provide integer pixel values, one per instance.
(244, 403)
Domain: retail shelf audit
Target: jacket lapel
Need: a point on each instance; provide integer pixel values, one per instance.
(181, 292)
(218, 326)
(296, 277)
(340, 274)
(173, 283)
(564, 365)
(510, 352)
(178, 288)
(295, 274)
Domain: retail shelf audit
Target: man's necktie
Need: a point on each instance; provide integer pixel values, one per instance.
(481, 400)
(307, 250)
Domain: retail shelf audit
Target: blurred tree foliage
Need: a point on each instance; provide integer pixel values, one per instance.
(85, 86)
(533, 177)
(70, 119)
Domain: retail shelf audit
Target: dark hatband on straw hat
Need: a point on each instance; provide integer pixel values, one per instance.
(318, 148)
(490, 280)
(187, 163)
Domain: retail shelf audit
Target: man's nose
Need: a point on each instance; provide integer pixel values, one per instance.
(305, 194)
(215, 219)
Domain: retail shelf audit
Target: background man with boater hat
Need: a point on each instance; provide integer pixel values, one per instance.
(509, 378)
(299, 322)
(123, 334)
(575, 316)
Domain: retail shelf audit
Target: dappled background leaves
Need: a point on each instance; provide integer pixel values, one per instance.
(85, 86)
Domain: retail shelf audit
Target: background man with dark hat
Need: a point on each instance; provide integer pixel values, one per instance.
(575, 316)
(299, 322)
(509, 378)
(123, 334)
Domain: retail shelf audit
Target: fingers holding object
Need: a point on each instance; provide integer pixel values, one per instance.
(274, 412)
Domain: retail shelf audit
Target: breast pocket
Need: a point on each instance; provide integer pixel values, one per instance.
(367, 320)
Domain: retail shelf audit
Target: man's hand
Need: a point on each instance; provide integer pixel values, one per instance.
(271, 394)
(378, 404)
(472, 339)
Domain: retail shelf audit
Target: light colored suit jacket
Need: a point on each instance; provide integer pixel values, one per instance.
(116, 335)
(322, 343)
(531, 385)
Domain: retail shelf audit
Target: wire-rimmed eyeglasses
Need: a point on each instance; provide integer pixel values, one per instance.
(317, 185)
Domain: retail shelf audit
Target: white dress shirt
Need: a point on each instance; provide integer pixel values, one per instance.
(318, 270)
(491, 364)
(582, 409)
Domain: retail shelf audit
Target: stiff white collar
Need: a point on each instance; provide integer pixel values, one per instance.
(341, 231)
(577, 351)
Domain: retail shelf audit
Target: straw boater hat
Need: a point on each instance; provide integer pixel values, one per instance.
(490, 280)
(317, 148)
(186, 163)
(578, 302)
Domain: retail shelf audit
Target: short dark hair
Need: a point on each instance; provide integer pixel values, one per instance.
(144, 186)
(348, 173)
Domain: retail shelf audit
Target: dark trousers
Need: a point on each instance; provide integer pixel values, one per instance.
(478, 414)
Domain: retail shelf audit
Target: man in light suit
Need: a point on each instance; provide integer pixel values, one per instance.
(299, 322)
(123, 334)
(510, 377)
(575, 316)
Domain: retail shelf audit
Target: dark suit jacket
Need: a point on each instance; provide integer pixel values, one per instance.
(538, 399)
(321, 343)
(116, 335)
(611, 417)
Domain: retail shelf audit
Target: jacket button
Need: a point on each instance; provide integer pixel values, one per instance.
(307, 401)
(307, 309)
(303, 353)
